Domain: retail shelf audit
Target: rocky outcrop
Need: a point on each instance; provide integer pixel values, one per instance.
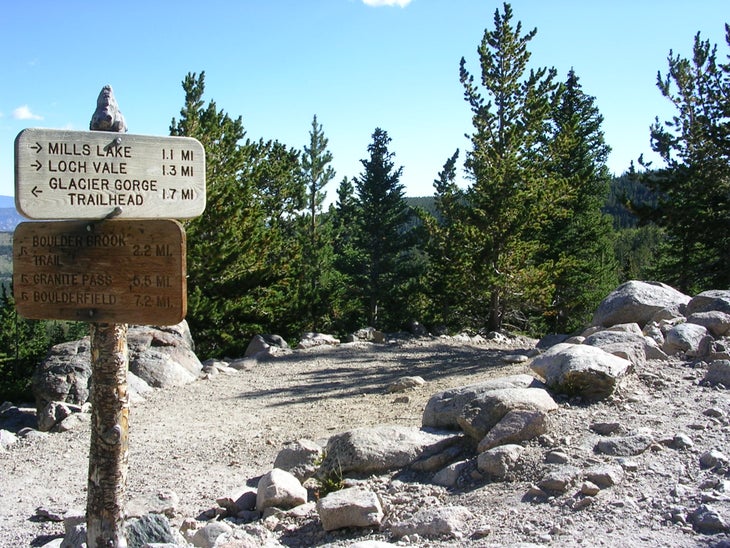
(160, 357)
(581, 370)
(266, 346)
(444, 408)
(380, 449)
(638, 302)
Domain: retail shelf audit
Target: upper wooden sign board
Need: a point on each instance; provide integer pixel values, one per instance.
(116, 271)
(63, 174)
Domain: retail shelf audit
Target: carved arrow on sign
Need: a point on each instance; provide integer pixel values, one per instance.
(37, 165)
(37, 147)
(36, 191)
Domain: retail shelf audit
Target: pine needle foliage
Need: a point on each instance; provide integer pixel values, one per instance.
(694, 185)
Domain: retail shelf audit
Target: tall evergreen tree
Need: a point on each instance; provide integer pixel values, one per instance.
(343, 217)
(508, 199)
(317, 275)
(577, 239)
(243, 254)
(385, 258)
(694, 185)
(448, 289)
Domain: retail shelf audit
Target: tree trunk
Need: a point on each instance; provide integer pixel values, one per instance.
(495, 310)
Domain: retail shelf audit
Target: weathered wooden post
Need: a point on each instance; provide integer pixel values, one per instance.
(109, 446)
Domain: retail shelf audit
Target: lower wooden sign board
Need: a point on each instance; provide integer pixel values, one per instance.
(111, 271)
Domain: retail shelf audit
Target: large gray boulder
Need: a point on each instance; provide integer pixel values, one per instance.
(279, 489)
(624, 344)
(163, 356)
(266, 346)
(380, 449)
(497, 462)
(160, 369)
(517, 426)
(484, 413)
(581, 370)
(716, 322)
(64, 375)
(443, 408)
(351, 507)
(300, 458)
(714, 299)
(638, 302)
(158, 356)
(687, 338)
(149, 529)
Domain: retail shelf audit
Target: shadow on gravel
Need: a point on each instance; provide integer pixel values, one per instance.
(343, 372)
(42, 540)
(310, 533)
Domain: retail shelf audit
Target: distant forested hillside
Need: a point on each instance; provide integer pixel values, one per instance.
(623, 190)
(423, 202)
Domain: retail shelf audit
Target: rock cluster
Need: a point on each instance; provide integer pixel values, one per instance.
(507, 429)
(488, 432)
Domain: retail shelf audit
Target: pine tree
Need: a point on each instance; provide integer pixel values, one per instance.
(386, 261)
(318, 275)
(509, 196)
(448, 289)
(577, 240)
(343, 217)
(694, 185)
(243, 253)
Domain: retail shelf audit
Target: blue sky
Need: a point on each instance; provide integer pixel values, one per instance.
(356, 64)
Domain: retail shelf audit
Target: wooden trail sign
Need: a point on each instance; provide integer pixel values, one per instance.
(113, 271)
(62, 174)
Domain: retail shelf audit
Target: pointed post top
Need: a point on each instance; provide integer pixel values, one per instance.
(107, 116)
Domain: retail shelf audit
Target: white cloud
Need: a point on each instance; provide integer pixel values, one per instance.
(378, 3)
(24, 113)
